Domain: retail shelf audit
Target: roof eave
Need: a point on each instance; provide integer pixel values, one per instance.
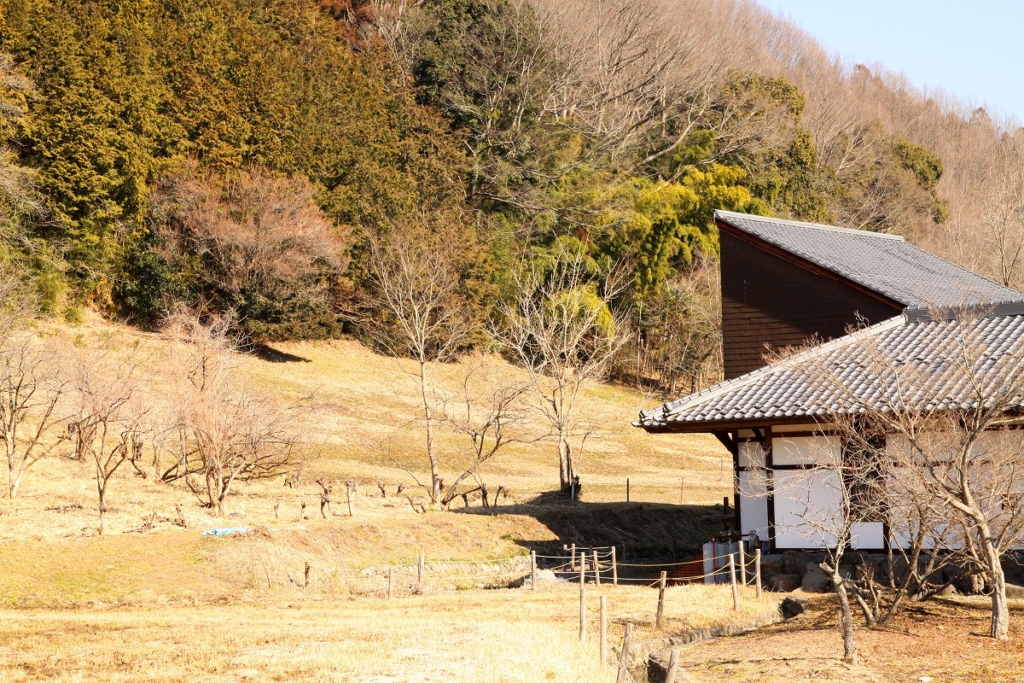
(709, 427)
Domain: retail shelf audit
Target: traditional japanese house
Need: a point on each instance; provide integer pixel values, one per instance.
(827, 289)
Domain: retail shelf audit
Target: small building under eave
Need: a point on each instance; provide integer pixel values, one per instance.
(785, 284)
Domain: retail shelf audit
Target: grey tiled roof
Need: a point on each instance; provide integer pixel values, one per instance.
(852, 373)
(883, 263)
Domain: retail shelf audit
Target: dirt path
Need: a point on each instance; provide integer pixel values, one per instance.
(939, 642)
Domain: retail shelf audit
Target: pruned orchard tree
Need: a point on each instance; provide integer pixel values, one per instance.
(488, 411)
(563, 326)
(841, 496)
(31, 388)
(417, 309)
(225, 430)
(950, 416)
(830, 503)
(108, 427)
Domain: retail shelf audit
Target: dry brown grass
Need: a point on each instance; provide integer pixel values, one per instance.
(499, 636)
(169, 605)
(364, 427)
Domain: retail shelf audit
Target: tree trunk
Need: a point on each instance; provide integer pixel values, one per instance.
(846, 619)
(435, 475)
(563, 459)
(13, 482)
(103, 504)
(1000, 611)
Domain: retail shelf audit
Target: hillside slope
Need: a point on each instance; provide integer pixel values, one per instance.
(362, 428)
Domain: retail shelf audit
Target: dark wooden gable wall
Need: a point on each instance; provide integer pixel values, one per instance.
(771, 298)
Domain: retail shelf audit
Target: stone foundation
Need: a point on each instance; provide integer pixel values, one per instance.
(792, 569)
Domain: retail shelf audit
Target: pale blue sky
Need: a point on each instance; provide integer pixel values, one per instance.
(973, 48)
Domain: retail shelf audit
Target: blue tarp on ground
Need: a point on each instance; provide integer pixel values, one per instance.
(226, 532)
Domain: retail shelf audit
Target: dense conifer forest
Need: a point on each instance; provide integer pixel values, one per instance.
(280, 160)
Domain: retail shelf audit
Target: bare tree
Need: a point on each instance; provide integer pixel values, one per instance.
(487, 409)
(563, 326)
(17, 182)
(107, 427)
(949, 416)
(30, 386)
(680, 335)
(1003, 219)
(260, 237)
(828, 510)
(225, 430)
(417, 309)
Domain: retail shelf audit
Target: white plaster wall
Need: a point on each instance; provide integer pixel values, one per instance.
(753, 504)
(811, 495)
(751, 454)
(867, 536)
(805, 450)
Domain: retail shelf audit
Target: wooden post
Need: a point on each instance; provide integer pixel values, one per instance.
(757, 571)
(732, 580)
(682, 481)
(627, 643)
(597, 570)
(673, 666)
(583, 613)
(743, 564)
(419, 571)
(627, 489)
(615, 569)
(583, 569)
(533, 570)
(572, 560)
(661, 601)
(348, 496)
(604, 631)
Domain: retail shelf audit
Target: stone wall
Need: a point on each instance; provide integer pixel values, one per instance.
(793, 569)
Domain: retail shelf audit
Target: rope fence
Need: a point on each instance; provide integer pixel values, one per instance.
(419, 576)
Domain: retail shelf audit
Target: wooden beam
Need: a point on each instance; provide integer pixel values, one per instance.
(728, 439)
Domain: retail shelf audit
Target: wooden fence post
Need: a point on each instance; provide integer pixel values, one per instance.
(743, 564)
(597, 570)
(419, 571)
(583, 569)
(604, 631)
(391, 582)
(615, 569)
(572, 561)
(661, 600)
(583, 613)
(533, 570)
(682, 481)
(627, 489)
(673, 666)
(348, 496)
(757, 571)
(627, 643)
(732, 580)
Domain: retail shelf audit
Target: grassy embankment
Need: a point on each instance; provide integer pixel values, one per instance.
(166, 604)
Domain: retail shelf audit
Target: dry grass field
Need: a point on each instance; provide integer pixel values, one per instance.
(151, 601)
(496, 635)
(363, 426)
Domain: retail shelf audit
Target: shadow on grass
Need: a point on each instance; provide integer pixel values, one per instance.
(264, 352)
(641, 531)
